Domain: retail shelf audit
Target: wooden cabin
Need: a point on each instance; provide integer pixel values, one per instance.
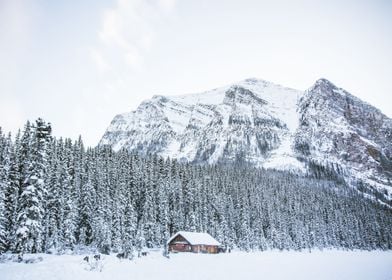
(196, 242)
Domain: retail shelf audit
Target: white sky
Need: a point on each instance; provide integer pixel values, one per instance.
(79, 63)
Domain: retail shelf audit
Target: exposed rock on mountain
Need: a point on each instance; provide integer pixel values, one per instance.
(340, 132)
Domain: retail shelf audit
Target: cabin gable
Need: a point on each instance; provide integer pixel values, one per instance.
(179, 244)
(179, 239)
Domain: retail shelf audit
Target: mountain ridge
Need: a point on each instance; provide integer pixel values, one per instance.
(267, 125)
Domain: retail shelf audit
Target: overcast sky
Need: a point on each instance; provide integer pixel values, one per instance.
(79, 63)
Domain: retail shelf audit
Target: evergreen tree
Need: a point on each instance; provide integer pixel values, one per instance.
(5, 166)
(131, 242)
(31, 211)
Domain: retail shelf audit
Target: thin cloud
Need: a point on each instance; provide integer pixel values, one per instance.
(128, 30)
(98, 59)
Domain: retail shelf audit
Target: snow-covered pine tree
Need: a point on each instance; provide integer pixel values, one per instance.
(53, 215)
(78, 180)
(69, 224)
(163, 212)
(31, 211)
(131, 242)
(119, 200)
(3, 221)
(5, 166)
(140, 240)
(102, 209)
(86, 212)
(12, 191)
(149, 214)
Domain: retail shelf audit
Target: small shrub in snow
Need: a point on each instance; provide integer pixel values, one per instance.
(5, 258)
(105, 249)
(33, 260)
(122, 256)
(94, 263)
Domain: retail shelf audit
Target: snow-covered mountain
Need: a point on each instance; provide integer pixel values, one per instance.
(323, 130)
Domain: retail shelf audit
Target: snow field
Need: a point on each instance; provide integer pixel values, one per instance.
(327, 264)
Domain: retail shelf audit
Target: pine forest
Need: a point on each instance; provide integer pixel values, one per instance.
(58, 196)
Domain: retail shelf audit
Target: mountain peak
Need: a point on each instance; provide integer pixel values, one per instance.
(324, 85)
(253, 81)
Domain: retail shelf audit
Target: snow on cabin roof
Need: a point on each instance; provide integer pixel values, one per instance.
(196, 238)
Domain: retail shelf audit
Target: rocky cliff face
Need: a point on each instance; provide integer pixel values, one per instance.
(324, 130)
(339, 131)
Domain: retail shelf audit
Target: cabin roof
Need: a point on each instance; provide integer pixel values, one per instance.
(196, 238)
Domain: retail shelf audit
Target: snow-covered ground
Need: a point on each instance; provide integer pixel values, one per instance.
(318, 265)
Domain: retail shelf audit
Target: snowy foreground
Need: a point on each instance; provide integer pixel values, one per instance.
(236, 265)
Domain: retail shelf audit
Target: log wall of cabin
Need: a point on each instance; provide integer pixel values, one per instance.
(205, 249)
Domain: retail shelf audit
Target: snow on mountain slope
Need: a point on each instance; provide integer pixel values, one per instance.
(323, 130)
(247, 121)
